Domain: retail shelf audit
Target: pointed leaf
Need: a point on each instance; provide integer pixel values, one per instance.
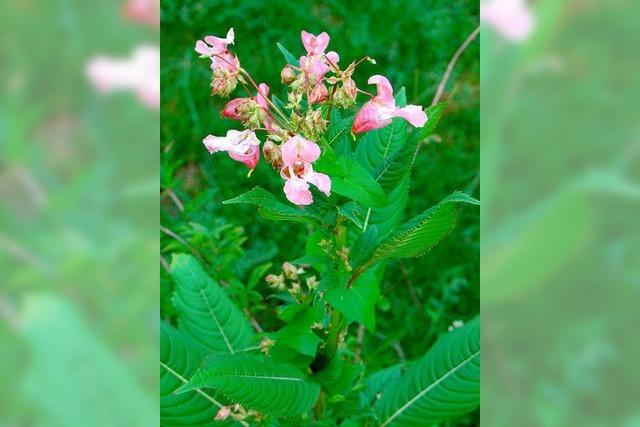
(257, 383)
(288, 56)
(424, 231)
(270, 207)
(205, 312)
(180, 357)
(444, 384)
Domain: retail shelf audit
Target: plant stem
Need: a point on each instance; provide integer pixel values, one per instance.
(336, 325)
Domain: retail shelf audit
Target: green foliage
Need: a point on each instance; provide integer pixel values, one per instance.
(270, 207)
(205, 313)
(179, 358)
(444, 384)
(424, 231)
(346, 340)
(257, 383)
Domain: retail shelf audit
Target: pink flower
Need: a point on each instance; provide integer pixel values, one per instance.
(381, 109)
(511, 18)
(297, 155)
(314, 64)
(242, 146)
(143, 11)
(216, 48)
(139, 73)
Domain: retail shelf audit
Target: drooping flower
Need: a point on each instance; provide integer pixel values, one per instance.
(251, 111)
(381, 109)
(139, 73)
(297, 155)
(511, 18)
(224, 64)
(242, 146)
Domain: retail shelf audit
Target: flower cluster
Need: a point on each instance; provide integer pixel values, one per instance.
(293, 130)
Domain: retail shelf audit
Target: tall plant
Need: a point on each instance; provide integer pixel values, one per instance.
(346, 175)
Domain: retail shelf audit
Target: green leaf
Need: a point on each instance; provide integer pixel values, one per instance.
(205, 313)
(350, 179)
(298, 333)
(424, 231)
(375, 146)
(353, 212)
(339, 376)
(180, 357)
(376, 383)
(397, 166)
(358, 302)
(270, 207)
(257, 383)
(393, 175)
(442, 385)
(288, 56)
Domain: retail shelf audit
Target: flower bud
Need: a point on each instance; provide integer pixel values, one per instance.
(223, 82)
(318, 94)
(223, 413)
(272, 154)
(287, 75)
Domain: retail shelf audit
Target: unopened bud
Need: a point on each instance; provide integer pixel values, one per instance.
(318, 94)
(287, 75)
(272, 154)
(223, 413)
(223, 82)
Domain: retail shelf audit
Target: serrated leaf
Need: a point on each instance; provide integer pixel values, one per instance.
(288, 56)
(397, 166)
(257, 383)
(444, 384)
(270, 207)
(205, 312)
(424, 231)
(353, 212)
(358, 302)
(375, 146)
(180, 357)
(387, 218)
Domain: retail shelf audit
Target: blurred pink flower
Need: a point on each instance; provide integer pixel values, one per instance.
(223, 413)
(242, 146)
(381, 109)
(143, 11)
(139, 73)
(511, 18)
(297, 155)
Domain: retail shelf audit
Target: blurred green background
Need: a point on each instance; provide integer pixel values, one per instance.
(412, 42)
(560, 207)
(78, 223)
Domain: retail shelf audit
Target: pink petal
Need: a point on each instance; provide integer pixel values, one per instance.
(307, 40)
(321, 181)
(385, 91)
(333, 57)
(297, 191)
(231, 109)
(297, 148)
(261, 97)
(202, 48)
(413, 114)
(368, 119)
(250, 159)
(321, 43)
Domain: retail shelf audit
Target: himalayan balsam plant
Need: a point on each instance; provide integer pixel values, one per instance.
(345, 174)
